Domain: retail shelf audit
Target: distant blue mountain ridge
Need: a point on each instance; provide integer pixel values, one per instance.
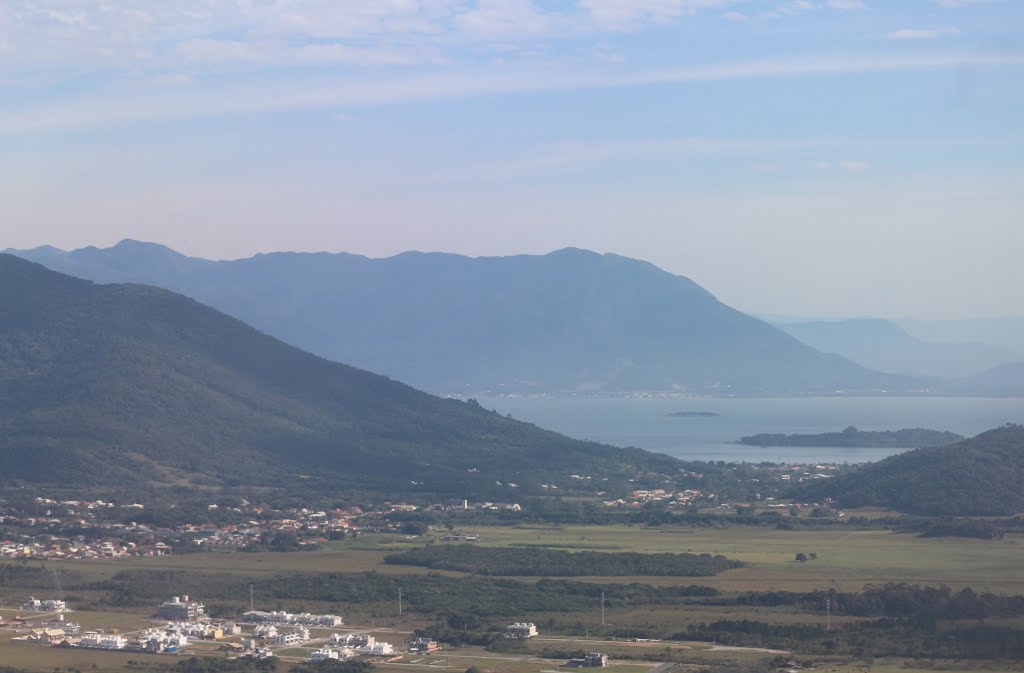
(886, 346)
(571, 321)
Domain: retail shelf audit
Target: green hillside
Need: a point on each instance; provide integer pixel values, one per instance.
(130, 385)
(981, 476)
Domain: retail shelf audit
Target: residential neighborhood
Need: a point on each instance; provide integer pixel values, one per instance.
(182, 622)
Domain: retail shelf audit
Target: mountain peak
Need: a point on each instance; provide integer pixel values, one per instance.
(134, 244)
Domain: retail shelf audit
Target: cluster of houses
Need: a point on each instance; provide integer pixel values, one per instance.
(641, 497)
(170, 638)
(250, 524)
(343, 646)
(187, 622)
(54, 632)
(65, 549)
(281, 617)
(270, 634)
(34, 604)
(799, 473)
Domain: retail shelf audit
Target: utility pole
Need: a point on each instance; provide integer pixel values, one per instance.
(251, 600)
(602, 608)
(828, 614)
(399, 601)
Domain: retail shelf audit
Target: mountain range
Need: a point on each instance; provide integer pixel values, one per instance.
(885, 346)
(130, 386)
(569, 321)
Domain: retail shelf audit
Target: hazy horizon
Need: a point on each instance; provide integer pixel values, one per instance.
(828, 158)
(773, 318)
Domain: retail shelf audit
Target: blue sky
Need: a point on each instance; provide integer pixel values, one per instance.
(811, 157)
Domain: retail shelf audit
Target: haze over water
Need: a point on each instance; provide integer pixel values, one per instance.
(646, 423)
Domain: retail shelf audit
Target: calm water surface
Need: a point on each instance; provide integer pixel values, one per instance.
(646, 423)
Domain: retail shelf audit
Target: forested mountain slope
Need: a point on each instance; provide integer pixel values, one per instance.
(983, 475)
(129, 384)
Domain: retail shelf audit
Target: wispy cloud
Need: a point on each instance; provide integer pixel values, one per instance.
(847, 4)
(276, 54)
(510, 20)
(793, 7)
(854, 166)
(920, 33)
(631, 14)
(287, 94)
(955, 4)
(847, 165)
(790, 8)
(75, 36)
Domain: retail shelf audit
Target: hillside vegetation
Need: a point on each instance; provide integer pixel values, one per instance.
(852, 437)
(981, 476)
(127, 385)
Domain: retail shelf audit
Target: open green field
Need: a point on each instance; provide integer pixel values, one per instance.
(847, 559)
(39, 658)
(888, 665)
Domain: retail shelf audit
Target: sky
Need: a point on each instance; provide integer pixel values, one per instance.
(822, 158)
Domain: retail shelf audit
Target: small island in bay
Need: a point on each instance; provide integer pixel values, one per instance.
(851, 437)
(694, 414)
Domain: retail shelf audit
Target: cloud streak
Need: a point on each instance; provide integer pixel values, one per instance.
(190, 102)
(920, 33)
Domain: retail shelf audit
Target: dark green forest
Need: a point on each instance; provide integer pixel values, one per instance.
(981, 476)
(851, 437)
(129, 386)
(512, 561)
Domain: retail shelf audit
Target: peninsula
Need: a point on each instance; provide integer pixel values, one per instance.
(851, 437)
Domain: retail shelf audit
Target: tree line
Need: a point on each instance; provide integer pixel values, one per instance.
(539, 561)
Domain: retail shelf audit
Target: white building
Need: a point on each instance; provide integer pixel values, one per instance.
(268, 631)
(180, 609)
(106, 641)
(282, 617)
(379, 649)
(521, 630)
(295, 637)
(352, 639)
(324, 654)
(48, 605)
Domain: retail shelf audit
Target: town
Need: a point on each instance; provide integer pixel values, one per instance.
(65, 529)
(181, 625)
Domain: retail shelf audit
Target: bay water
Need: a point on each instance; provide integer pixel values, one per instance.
(647, 423)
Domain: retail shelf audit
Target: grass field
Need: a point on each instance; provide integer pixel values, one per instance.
(847, 560)
(39, 658)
